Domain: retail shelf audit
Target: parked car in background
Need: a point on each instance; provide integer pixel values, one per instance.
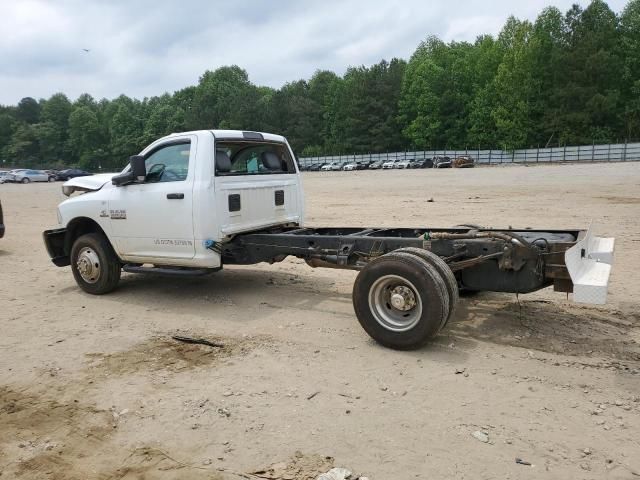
(402, 164)
(375, 165)
(327, 167)
(463, 161)
(388, 165)
(4, 177)
(350, 166)
(28, 176)
(441, 161)
(10, 176)
(64, 175)
(425, 163)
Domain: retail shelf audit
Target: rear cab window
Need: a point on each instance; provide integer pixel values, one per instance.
(243, 157)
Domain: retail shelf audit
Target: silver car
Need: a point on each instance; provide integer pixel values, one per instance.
(28, 176)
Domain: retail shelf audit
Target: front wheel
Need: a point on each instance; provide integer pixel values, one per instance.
(25, 180)
(400, 300)
(94, 264)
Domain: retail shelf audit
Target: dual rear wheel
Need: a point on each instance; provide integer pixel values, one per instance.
(404, 298)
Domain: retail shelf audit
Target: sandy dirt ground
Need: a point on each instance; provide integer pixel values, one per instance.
(95, 388)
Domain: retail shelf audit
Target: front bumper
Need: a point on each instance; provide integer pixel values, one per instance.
(54, 240)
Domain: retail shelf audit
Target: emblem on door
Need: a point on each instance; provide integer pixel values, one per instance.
(118, 214)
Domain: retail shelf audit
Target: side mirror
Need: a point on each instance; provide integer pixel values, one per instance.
(138, 168)
(137, 172)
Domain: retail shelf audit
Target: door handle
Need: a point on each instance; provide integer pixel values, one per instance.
(175, 196)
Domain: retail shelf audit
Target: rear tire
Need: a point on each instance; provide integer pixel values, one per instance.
(400, 300)
(445, 272)
(25, 180)
(95, 266)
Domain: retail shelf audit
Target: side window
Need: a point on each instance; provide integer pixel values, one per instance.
(169, 163)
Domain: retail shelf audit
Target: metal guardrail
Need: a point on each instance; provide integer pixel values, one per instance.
(618, 152)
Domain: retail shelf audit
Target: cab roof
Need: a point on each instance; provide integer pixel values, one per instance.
(238, 134)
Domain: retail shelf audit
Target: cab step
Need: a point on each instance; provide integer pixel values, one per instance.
(173, 271)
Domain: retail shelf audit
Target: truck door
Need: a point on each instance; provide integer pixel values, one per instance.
(256, 185)
(154, 219)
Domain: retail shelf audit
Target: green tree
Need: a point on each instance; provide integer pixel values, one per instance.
(53, 128)
(322, 86)
(162, 117)
(295, 114)
(125, 130)
(23, 149)
(225, 98)
(515, 86)
(547, 47)
(485, 59)
(437, 92)
(7, 127)
(365, 108)
(85, 137)
(587, 94)
(28, 110)
(629, 51)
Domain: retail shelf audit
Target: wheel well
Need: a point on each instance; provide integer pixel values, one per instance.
(78, 227)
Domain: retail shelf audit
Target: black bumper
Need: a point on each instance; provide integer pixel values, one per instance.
(54, 240)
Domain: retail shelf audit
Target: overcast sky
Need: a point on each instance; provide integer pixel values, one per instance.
(146, 48)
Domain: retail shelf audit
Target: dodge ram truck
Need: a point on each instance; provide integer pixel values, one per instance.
(191, 203)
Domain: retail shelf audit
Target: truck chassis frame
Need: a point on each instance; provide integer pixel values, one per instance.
(517, 261)
(409, 278)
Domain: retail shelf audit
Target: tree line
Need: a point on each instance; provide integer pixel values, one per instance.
(571, 78)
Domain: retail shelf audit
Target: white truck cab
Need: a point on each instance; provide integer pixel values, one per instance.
(198, 189)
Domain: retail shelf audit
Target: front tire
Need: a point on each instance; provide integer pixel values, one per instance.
(25, 180)
(94, 264)
(400, 300)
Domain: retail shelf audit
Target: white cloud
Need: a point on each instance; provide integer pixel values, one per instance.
(145, 48)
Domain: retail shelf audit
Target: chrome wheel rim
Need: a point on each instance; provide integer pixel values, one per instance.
(88, 265)
(395, 303)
